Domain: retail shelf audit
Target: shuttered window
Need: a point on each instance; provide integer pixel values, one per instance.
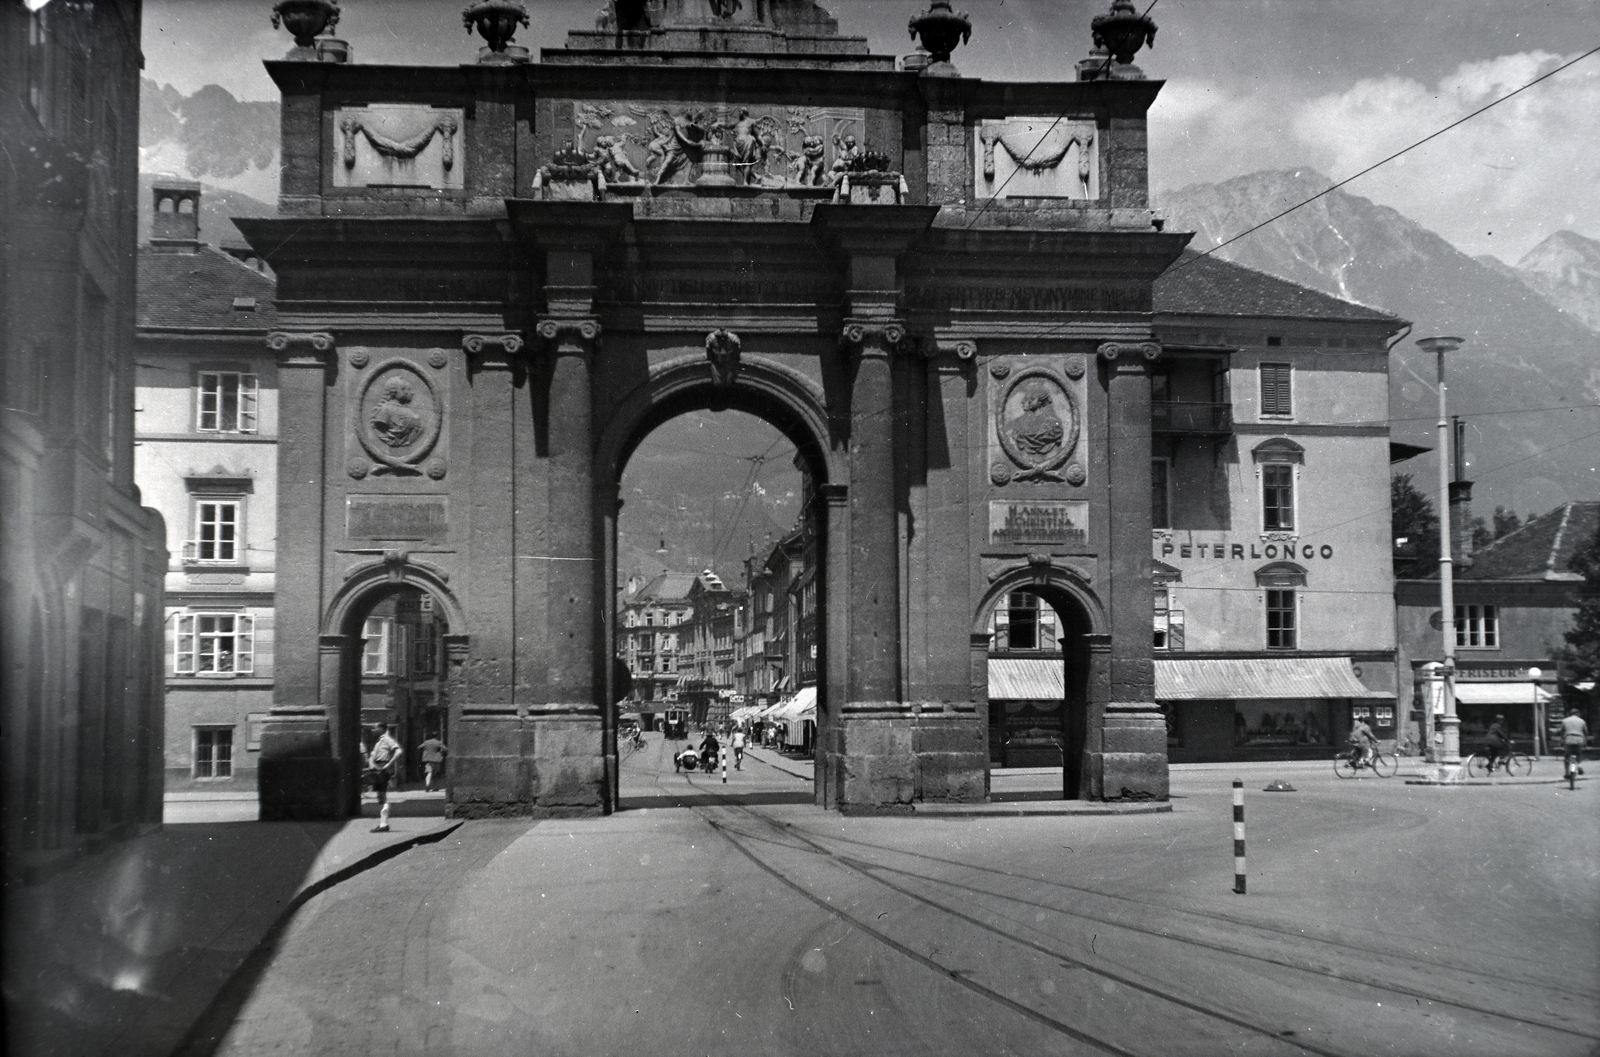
(1275, 398)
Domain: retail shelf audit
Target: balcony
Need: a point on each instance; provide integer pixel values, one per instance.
(1191, 418)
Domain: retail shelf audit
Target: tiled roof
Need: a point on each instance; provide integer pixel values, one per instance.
(668, 587)
(199, 289)
(1542, 549)
(1209, 286)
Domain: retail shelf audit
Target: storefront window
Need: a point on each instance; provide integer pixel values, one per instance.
(1262, 723)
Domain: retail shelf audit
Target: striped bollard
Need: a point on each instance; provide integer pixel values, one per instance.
(724, 766)
(1238, 837)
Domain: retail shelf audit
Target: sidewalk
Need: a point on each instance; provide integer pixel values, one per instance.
(126, 950)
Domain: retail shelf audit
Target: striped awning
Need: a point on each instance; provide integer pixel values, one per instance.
(1021, 679)
(1246, 678)
(1498, 693)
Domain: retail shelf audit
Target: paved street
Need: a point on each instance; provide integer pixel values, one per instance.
(736, 919)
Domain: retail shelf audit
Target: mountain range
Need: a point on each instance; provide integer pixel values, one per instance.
(1527, 377)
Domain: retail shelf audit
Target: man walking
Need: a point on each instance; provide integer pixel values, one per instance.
(383, 762)
(433, 754)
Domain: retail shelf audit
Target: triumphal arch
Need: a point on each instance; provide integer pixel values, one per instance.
(495, 279)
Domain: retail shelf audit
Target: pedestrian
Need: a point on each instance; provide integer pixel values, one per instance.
(433, 754)
(1574, 735)
(382, 763)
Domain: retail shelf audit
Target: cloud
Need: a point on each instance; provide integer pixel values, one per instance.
(1205, 132)
(1501, 182)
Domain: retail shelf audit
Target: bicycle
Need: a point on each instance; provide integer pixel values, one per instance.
(1571, 762)
(1383, 764)
(1515, 764)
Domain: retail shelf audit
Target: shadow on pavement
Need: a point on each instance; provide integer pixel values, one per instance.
(123, 950)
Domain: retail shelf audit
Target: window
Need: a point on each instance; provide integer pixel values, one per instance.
(1281, 624)
(227, 402)
(1159, 514)
(216, 532)
(215, 644)
(1478, 627)
(424, 648)
(1022, 619)
(375, 635)
(1168, 623)
(1275, 398)
(1277, 497)
(647, 642)
(213, 752)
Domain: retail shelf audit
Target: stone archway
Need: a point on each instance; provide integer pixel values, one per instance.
(783, 398)
(1085, 646)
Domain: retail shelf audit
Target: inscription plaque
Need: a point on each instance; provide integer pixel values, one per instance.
(1061, 521)
(393, 517)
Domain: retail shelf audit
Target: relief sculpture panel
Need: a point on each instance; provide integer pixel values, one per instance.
(1037, 157)
(681, 143)
(399, 416)
(398, 145)
(1036, 422)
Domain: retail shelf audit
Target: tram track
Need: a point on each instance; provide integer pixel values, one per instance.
(782, 834)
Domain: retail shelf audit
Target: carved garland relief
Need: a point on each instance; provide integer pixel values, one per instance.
(398, 145)
(1043, 157)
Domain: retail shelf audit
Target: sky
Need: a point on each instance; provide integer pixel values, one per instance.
(1251, 85)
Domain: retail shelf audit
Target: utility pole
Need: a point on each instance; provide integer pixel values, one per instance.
(1447, 758)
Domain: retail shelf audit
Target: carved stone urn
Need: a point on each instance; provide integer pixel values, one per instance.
(305, 19)
(496, 21)
(940, 30)
(1123, 31)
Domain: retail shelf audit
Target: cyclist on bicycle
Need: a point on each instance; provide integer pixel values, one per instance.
(1574, 735)
(1498, 742)
(1362, 742)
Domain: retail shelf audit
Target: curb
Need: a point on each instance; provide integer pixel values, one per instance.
(208, 1030)
(1004, 810)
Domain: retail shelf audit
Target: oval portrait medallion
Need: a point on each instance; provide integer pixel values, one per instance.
(1037, 422)
(400, 414)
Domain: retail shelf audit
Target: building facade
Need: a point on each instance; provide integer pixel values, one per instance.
(1270, 516)
(205, 455)
(1514, 601)
(81, 559)
(652, 639)
(493, 280)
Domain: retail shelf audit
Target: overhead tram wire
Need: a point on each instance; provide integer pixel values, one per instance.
(1018, 167)
(1405, 150)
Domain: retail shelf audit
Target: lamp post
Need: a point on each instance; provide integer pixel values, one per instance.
(1538, 713)
(1448, 758)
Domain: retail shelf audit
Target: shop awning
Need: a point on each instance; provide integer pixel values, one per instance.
(1019, 679)
(1258, 677)
(804, 702)
(1500, 694)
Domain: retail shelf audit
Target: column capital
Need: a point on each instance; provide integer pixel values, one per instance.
(570, 333)
(865, 335)
(1111, 351)
(509, 343)
(302, 348)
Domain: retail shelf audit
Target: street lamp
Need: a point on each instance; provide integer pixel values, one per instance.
(1449, 757)
(1538, 720)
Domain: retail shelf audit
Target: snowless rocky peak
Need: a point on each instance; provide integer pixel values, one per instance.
(1565, 268)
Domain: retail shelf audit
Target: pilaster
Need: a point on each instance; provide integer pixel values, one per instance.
(1128, 747)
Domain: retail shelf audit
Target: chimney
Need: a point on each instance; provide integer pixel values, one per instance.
(175, 226)
(1460, 499)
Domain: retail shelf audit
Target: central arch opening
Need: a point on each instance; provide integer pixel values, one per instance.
(1038, 675)
(718, 552)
